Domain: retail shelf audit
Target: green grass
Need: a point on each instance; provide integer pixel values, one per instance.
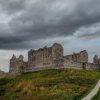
(64, 84)
(97, 96)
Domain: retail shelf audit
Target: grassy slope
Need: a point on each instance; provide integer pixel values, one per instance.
(48, 85)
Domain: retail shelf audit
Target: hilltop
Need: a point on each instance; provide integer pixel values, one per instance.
(58, 84)
(2, 72)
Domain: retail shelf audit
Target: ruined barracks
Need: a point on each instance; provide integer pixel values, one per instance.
(50, 57)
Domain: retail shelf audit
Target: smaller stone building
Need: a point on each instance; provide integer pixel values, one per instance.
(77, 59)
(17, 64)
(96, 61)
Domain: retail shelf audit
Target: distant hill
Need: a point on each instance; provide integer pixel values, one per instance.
(2, 72)
(62, 84)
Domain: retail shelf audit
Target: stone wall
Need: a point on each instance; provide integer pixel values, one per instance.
(72, 64)
(41, 57)
(91, 66)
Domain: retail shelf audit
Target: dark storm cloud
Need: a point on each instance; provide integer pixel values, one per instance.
(89, 32)
(12, 6)
(40, 19)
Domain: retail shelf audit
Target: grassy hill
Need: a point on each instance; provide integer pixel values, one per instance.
(64, 84)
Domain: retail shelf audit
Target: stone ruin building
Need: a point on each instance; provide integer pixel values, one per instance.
(51, 57)
(43, 57)
(76, 59)
(96, 61)
(17, 64)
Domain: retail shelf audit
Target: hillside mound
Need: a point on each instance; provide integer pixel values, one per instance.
(58, 84)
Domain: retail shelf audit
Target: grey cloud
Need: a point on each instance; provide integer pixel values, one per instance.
(46, 19)
(91, 36)
(89, 32)
(12, 6)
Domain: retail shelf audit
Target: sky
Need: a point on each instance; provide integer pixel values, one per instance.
(26, 24)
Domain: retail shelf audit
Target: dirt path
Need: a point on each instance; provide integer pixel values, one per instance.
(93, 92)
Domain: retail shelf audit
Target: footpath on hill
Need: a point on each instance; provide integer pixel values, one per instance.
(93, 92)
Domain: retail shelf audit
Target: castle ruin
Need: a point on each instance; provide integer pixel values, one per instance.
(49, 57)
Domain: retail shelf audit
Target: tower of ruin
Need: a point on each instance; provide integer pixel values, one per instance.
(95, 59)
(43, 57)
(17, 64)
